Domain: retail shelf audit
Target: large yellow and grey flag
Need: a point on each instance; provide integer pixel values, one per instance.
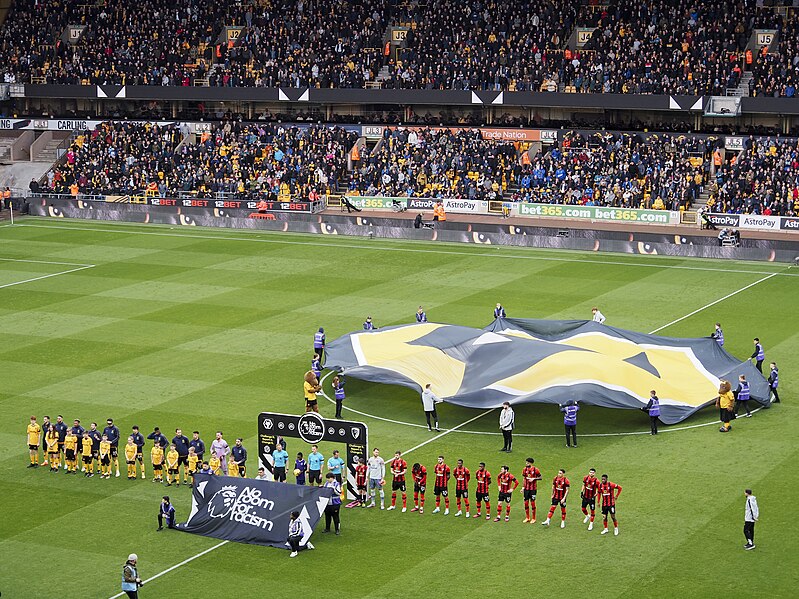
(522, 360)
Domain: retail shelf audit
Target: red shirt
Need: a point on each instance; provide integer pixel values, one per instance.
(360, 475)
(420, 476)
(505, 480)
(560, 484)
(462, 477)
(399, 465)
(590, 484)
(442, 475)
(530, 476)
(483, 478)
(608, 492)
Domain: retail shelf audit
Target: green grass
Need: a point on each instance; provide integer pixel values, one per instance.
(203, 329)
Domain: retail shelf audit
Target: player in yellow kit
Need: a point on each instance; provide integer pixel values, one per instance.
(215, 464)
(34, 439)
(192, 460)
(232, 468)
(172, 473)
(131, 449)
(157, 458)
(70, 451)
(88, 459)
(51, 442)
(105, 457)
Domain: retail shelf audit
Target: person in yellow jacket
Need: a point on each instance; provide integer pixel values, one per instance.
(172, 458)
(157, 457)
(232, 468)
(725, 403)
(51, 442)
(105, 457)
(192, 461)
(34, 433)
(88, 458)
(131, 449)
(215, 464)
(71, 451)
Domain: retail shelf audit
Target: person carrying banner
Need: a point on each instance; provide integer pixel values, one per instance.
(725, 402)
(499, 311)
(718, 335)
(570, 420)
(166, 511)
(296, 534)
(597, 316)
(758, 355)
(653, 409)
(774, 382)
(742, 396)
(319, 342)
(333, 508)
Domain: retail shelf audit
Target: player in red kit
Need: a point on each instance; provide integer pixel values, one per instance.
(360, 481)
(483, 478)
(398, 469)
(419, 474)
(507, 484)
(588, 494)
(530, 477)
(442, 472)
(608, 493)
(462, 477)
(560, 491)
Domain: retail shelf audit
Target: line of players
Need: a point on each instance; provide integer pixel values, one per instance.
(370, 477)
(67, 445)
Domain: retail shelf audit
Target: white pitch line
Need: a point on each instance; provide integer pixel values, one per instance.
(183, 563)
(385, 247)
(728, 296)
(54, 274)
(45, 262)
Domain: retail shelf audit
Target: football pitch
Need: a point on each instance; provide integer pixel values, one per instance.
(203, 329)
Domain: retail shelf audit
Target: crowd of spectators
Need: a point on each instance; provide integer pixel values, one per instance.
(241, 159)
(638, 46)
(764, 180)
(617, 169)
(435, 163)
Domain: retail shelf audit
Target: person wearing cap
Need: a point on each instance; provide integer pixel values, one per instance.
(130, 577)
(369, 325)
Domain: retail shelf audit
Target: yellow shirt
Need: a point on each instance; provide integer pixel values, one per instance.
(87, 446)
(130, 451)
(105, 448)
(726, 400)
(193, 459)
(157, 455)
(172, 459)
(71, 442)
(214, 464)
(52, 442)
(34, 434)
(232, 469)
(310, 394)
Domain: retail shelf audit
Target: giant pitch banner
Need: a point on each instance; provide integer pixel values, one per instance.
(545, 361)
(252, 511)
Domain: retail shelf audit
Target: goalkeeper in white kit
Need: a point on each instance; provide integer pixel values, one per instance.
(376, 474)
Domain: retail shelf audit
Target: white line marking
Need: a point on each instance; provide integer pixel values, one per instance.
(183, 563)
(386, 247)
(448, 431)
(55, 274)
(45, 262)
(729, 295)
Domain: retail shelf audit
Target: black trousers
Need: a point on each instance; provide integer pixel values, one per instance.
(294, 542)
(571, 428)
(321, 352)
(776, 395)
(653, 423)
(759, 365)
(432, 414)
(332, 513)
(170, 522)
(339, 403)
(749, 531)
(739, 403)
(132, 594)
(508, 437)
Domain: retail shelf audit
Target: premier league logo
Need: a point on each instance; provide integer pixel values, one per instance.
(222, 502)
(311, 427)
